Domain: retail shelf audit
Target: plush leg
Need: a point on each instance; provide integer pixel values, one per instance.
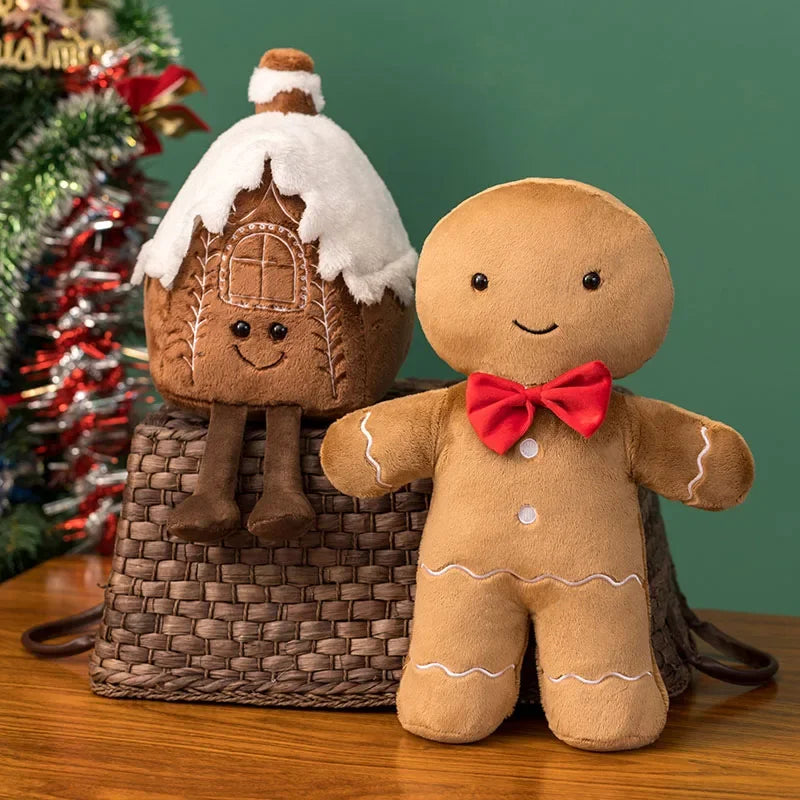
(283, 512)
(211, 512)
(583, 635)
(461, 678)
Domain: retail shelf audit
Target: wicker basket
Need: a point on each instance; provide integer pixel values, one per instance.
(320, 622)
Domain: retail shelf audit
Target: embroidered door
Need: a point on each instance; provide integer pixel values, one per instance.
(264, 266)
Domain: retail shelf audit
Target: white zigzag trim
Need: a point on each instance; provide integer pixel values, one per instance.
(469, 671)
(601, 678)
(543, 577)
(700, 468)
(368, 453)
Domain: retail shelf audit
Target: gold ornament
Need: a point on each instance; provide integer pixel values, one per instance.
(31, 48)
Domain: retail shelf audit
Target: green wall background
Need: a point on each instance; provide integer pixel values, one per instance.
(688, 111)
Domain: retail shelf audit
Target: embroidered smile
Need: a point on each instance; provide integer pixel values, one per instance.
(533, 330)
(255, 366)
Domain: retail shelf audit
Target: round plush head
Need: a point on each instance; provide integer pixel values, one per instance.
(529, 279)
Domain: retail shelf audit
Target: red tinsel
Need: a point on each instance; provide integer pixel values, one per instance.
(85, 78)
(82, 389)
(151, 98)
(82, 381)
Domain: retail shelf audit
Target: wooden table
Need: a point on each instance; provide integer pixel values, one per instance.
(59, 741)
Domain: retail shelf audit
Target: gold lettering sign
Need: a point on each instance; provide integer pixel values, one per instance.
(31, 47)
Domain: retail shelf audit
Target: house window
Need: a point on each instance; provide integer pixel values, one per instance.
(264, 266)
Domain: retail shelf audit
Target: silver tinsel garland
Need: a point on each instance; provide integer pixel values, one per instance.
(47, 170)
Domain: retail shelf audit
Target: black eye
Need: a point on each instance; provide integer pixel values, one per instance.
(241, 329)
(591, 281)
(480, 281)
(278, 331)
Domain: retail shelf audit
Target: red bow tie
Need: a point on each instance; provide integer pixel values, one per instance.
(501, 410)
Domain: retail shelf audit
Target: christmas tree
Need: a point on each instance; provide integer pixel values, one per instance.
(85, 89)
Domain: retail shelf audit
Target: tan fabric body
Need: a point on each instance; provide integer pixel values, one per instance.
(587, 523)
(562, 525)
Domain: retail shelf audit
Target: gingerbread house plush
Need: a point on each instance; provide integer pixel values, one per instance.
(278, 283)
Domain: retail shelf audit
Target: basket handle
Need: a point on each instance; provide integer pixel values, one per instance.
(34, 640)
(760, 666)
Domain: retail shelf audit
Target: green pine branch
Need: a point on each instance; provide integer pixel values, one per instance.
(25, 98)
(27, 537)
(150, 27)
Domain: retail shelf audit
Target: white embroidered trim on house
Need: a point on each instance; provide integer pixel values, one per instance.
(368, 453)
(265, 83)
(607, 675)
(543, 577)
(330, 334)
(700, 468)
(199, 301)
(451, 674)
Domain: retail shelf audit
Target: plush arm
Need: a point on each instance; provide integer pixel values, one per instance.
(686, 457)
(378, 449)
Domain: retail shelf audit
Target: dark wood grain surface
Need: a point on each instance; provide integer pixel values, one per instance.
(58, 741)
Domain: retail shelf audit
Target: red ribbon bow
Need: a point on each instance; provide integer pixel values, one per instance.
(151, 98)
(501, 411)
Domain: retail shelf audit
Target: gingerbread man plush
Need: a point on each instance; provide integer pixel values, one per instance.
(541, 291)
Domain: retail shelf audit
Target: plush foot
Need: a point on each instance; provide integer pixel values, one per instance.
(281, 516)
(612, 715)
(459, 709)
(200, 518)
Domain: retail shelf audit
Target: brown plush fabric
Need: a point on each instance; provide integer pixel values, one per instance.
(338, 355)
(550, 531)
(288, 59)
(294, 101)
(249, 322)
(211, 512)
(283, 512)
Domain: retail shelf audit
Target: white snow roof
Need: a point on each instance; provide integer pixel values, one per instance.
(348, 207)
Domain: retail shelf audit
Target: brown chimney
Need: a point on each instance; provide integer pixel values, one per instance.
(287, 59)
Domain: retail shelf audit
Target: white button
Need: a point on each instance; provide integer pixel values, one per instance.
(526, 515)
(529, 448)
